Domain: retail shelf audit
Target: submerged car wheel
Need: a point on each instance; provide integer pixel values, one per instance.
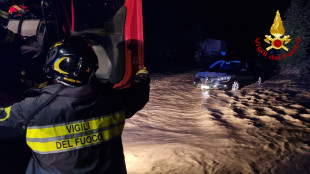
(235, 86)
(197, 82)
(259, 80)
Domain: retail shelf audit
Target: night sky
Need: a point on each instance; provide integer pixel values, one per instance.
(177, 26)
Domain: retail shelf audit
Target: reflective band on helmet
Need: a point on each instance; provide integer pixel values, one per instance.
(17, 7)
(72, 80)
(4, 14)
(75, 135)
(5, 112)
(57, 63)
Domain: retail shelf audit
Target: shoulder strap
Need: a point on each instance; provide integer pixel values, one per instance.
(96, 103)
(47, 102)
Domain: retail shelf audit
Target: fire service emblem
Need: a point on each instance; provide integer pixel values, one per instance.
(276, 41)
(277, 30)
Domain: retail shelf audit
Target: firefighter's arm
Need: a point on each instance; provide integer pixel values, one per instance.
(10, 126)
(14, 119)
(4, 8)
(136, 96)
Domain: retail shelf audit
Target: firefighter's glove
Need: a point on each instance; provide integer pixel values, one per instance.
(142, 75)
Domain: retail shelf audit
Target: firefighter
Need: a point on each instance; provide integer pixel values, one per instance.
(8, 39)
(75, 125)
(4, 9)
(10, 53)
(16, 52)
(10, 44)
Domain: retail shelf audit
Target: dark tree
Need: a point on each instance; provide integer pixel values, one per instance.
(297, 24)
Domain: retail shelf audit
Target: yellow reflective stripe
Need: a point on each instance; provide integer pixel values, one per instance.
(76, 143)
(72, 80)
(4, 14)
(57, 63)
(7, 111)
(57, 44)
(17, 7)
(75, 127)
(142, 71)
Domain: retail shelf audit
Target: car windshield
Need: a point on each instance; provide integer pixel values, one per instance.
(216, 66)
(224, 66)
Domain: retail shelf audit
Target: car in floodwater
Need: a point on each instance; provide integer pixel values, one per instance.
(229, 75)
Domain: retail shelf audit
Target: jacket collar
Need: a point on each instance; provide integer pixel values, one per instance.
(75, 92)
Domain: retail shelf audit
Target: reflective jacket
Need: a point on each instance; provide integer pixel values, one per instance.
(79, 131)
(4, 8)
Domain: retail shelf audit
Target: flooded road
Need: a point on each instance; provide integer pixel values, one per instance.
(258, 129)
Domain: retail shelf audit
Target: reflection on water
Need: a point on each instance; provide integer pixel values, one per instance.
(205, 95)
(258, 129)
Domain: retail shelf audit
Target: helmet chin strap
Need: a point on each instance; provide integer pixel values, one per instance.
(92, 75)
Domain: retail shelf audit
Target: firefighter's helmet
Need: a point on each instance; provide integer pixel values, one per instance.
(71, 61)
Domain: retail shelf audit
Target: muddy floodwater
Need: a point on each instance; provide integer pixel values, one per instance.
(258, 129)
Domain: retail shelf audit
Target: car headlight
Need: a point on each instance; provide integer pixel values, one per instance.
(225, 78)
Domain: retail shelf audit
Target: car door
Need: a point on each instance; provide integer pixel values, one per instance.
(115, 28)
(254, 71)
(244, 73)
(118, 42)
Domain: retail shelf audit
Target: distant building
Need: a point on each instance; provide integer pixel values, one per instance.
(211, 47)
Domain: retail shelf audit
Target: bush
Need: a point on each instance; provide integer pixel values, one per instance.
(297, 24)
(294, 69)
